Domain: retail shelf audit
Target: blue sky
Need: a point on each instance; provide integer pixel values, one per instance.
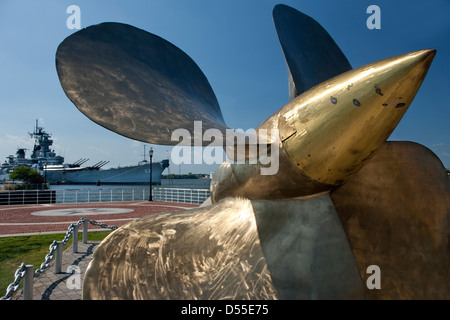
(236, 46)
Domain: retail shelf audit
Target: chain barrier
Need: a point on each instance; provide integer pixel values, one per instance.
(14, 286)
(101, 225)
(20, 272)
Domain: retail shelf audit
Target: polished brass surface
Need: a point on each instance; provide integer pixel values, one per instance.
(306, 250)
(235, 249)
(245, 180)
(311, 54)
(321, 143)
(396, 214)
(135, 83)
(332, 130)
(341, 200)
(206, 253)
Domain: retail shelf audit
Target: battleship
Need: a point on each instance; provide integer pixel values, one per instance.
(55, 171)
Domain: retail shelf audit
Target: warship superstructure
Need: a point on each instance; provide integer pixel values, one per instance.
(55, 171)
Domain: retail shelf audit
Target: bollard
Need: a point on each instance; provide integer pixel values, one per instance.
(85, 231)
(75, 239)
(28, 282)
(58, 256)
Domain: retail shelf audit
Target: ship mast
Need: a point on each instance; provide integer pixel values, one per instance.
(145, 160)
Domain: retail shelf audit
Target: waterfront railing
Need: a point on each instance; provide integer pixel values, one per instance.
(195, 196)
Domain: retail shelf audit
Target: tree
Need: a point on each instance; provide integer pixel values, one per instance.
(27, 175)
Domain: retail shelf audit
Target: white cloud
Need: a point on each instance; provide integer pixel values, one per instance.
(18, 141)
(99, 150)
(438, 145)
(135, 144)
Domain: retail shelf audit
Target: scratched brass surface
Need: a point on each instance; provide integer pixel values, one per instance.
(135, 83)
(311, 54)
(258, 239)
(193, 254)
(396, 214)
(235, 249)
(332, 130)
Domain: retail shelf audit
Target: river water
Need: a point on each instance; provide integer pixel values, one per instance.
(165, 183)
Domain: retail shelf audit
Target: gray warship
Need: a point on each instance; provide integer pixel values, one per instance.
(55, 171)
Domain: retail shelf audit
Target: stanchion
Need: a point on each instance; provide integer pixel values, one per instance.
(58, 257)
(85, 231)
(28, 282)
(75, 239)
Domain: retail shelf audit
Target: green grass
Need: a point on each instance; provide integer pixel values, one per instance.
(31, 250)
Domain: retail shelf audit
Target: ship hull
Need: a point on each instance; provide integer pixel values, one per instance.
(139, 174)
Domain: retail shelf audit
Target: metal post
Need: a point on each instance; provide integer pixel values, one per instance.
(28, 282)
(58, 256)
(75, 239)
(85, 231)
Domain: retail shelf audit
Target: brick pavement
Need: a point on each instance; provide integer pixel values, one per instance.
(21, 219)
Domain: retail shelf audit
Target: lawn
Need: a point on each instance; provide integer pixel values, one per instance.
(31, 250)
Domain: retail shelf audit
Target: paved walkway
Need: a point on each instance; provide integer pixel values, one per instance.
(67, 284)
(56, 218)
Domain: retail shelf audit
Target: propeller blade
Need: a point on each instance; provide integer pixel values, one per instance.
(135, 83)
(311, 54)
(396, 214)
(233, 249)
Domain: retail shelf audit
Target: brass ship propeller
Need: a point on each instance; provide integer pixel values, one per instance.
(342, 199)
